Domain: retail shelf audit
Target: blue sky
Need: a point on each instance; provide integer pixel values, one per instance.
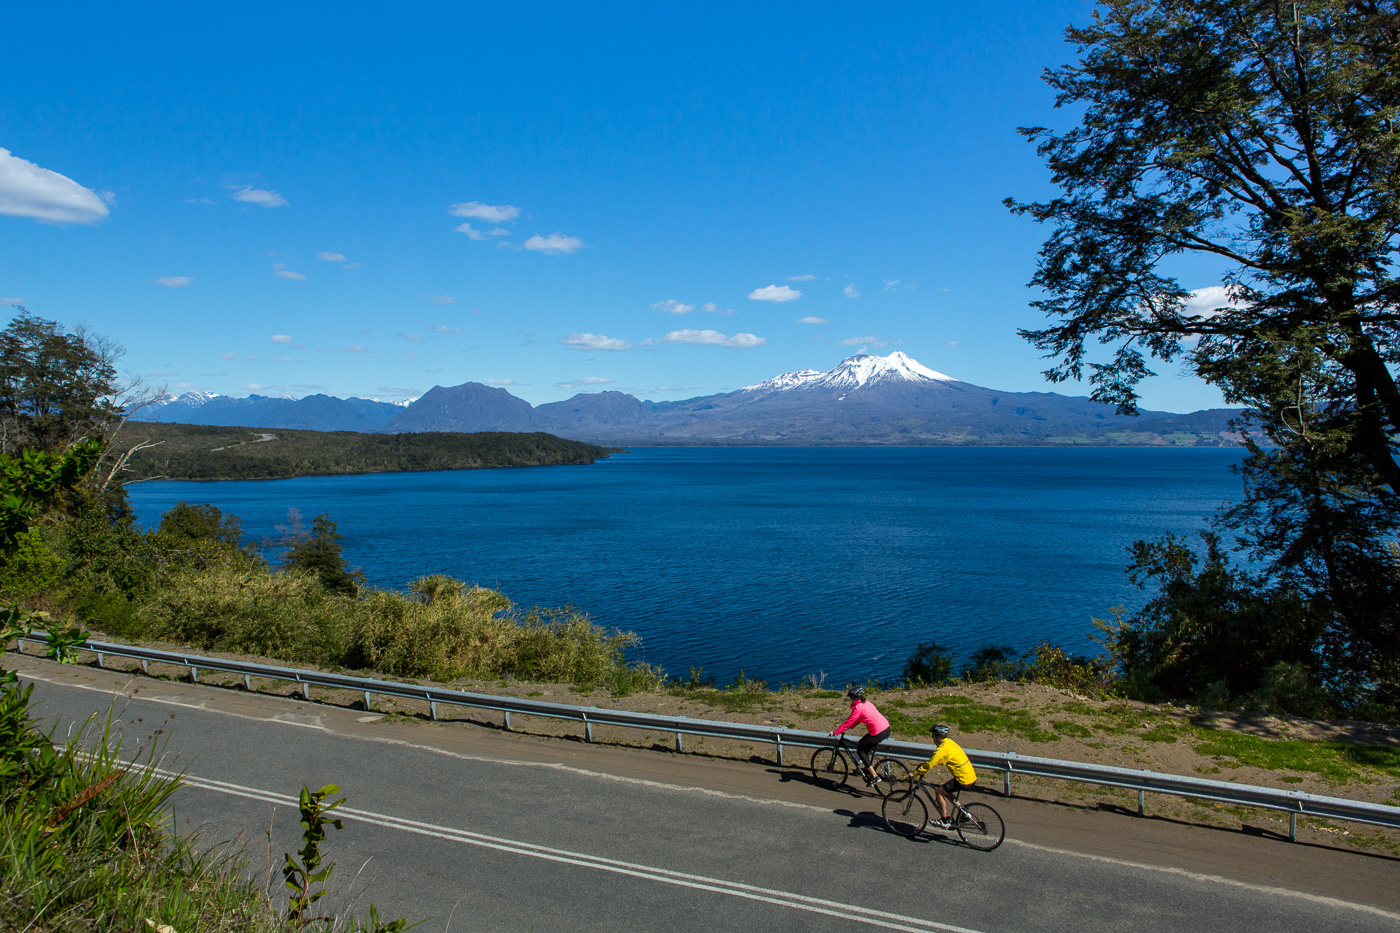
(362, 200)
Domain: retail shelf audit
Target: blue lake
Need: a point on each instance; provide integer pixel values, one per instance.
(780, 561)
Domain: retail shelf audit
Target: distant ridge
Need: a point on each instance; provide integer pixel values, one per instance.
(864, 400)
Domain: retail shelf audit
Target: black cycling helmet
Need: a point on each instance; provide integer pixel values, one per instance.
(855, 693)
(940, 731)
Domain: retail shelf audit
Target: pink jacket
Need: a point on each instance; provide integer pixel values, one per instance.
(865, 712)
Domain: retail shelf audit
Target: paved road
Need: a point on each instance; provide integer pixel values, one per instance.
(475, 829)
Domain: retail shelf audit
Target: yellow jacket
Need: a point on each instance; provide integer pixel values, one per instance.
(950, 753)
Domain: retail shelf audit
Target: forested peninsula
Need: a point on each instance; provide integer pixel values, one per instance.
(200, 452)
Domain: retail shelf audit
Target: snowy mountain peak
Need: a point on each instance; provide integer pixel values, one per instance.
(868, 369)
(853, 373)
(790, 380)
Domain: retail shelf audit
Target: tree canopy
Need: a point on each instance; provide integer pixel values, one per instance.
(1263, 137)
(55, 387)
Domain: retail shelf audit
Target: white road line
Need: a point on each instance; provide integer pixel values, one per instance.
(870, 917)
(1269, 890)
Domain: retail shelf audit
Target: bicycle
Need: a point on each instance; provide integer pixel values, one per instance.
(834, 765)
(906, 813)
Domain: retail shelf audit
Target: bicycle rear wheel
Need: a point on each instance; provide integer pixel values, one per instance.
(905, 812)
(980, 826)
(893, 774)
(830, 767)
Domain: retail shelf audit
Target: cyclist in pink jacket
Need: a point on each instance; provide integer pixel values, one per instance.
(877, 729)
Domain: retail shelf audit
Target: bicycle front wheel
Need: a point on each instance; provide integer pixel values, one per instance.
(905, 812)
(981, 827)
(893, 774)
(830, 767)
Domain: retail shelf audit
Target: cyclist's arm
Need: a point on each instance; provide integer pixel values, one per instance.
(855, 717)
(938, 758)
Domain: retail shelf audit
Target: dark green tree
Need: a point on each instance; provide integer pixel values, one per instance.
(55, 387)
(1262, 136)
(319, 552)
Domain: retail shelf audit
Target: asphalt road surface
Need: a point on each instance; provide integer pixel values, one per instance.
(472, 828)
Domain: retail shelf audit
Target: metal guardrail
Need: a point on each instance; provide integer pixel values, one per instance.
(1295, 803)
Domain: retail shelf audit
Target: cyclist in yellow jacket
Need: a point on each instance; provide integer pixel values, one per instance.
(949, 753)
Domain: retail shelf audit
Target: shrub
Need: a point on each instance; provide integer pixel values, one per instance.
(930, 665)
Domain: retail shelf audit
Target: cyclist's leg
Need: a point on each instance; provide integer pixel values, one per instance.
(864, 752)
(943, 795)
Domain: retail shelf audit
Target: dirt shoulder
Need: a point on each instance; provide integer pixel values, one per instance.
(1359, 761)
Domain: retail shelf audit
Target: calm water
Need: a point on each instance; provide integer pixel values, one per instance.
(779, 561)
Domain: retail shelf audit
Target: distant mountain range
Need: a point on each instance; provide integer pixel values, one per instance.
(866, 400)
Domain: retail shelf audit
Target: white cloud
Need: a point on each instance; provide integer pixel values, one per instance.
(175, 281)
(280, 270)
(11, 301)
(331, 257)
(26, 190)
(403, 336)
(554, 244)
(442, 299)
(281, 338)
(672, 306)
(951, 344)
(471, 232)
(498, 231)
(710, 307)
(444, 329)
(595, 342)
(228, 356)
(250, 195)
(494, 213)
(812, 319)
(1206, 302)
(357, 348)
(713, 338)
(252, 387)
(851, 291)
(501, 382)
(802, 278)
(777, 293)
(867, 342)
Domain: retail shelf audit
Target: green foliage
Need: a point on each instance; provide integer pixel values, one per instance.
(319, 552)
(930, 665)
(1213, 633)
(31, 480)
(993, 662)
(30, 570)
(62, 643)
(200, 452)
(306, 878)
(55, 388)
(1260, 135)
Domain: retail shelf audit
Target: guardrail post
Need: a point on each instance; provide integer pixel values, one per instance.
(248, 682)
(679, 749)
(779, 740)
(366, 701)
(1292, 827)
(507, 720)
(145, 666)
(1142, 799)
(21, 646)
(99, 658)
(194, 674)
(305, 690)
(432, 710)
(587, 729)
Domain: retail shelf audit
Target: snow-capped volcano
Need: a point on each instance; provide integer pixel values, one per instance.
(855, 372)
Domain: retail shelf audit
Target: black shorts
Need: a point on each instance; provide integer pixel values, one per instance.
(953, 785)
(867, 743)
